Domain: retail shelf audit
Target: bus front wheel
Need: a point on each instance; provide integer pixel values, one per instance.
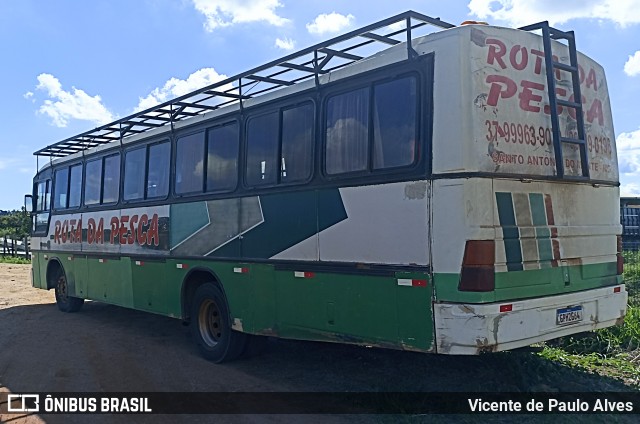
(65, 302)
(211, 325)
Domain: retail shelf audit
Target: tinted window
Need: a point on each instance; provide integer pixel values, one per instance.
(190, 163)
(262, 150)
(61, 189)
(134, 173)
(111, 183)
(75, 186)
(93, 182)
(222, 158)
(42, 202)
(297, 143)
(347, 133)
(159, 165)
(41, 217)
(394, 123)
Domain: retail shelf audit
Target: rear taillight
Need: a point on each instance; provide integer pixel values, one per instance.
(620, 259)
(478, 272)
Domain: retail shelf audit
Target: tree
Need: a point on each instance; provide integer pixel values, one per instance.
(15, 224)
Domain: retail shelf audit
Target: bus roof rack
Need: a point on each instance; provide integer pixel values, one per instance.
(301, 66)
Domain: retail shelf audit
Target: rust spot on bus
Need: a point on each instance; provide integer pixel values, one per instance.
(483, 346)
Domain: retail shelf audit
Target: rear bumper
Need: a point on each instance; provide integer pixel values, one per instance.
(469, 329)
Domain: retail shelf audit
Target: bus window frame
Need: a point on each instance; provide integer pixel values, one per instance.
(234, 118)
(146, 146)
(279, 107)
(102, 157)
(45, 178)
(238, 124)
(68, 166)
(424, 111)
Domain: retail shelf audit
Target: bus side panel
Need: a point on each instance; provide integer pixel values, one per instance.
(36, 280)
(385, 224)
(81, 267)
(149, 285)
(110, 280)
(462, 210)
(386, 311)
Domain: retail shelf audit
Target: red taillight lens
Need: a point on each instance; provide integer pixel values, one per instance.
(619, 244)
(620, 264)
(619, 257)
(506, 308)
(478, 272)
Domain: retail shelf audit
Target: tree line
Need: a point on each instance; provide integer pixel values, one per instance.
(15, 224)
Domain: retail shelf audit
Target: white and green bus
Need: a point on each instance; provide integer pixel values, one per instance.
(411, 184)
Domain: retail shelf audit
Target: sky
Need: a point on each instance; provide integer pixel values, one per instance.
(67, 66)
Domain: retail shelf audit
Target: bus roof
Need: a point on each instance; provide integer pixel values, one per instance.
(304, 65)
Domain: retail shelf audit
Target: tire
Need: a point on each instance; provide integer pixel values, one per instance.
(211, 325)
(65, 302)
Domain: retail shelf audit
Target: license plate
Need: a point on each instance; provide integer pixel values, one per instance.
(568, 315)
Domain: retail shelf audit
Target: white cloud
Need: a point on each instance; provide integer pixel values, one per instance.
(522, 12)
(329, 23)
(628, 146)
(7, 163)
(286, 44)
(632, 67)
(223, 13)
(175, 87)
(630, 190)
(397, 26)
(65, 105)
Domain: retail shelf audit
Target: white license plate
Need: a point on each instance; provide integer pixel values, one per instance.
(569, 315)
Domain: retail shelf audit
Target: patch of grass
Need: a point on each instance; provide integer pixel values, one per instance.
(14, 260)
(608, 341)
(613, 351)
(624, 366)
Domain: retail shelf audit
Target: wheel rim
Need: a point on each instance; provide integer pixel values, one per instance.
(61, 288)
(210, 323)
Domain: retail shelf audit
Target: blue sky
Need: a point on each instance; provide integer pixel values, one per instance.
(71, 65)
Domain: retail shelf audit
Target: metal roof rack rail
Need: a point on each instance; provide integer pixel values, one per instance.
(297, 67)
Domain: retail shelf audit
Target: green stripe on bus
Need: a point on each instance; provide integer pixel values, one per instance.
(510, 232)
(543, 234)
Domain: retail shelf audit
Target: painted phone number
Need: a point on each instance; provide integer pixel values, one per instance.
(510, 132)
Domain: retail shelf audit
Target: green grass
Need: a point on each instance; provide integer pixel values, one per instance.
(613, 351)
(14, 260)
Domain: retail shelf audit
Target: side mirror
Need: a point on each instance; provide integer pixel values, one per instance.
(28, 203)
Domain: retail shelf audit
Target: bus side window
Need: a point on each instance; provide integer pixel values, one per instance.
(93, 182)
(158, 179)
(190, 163)
(75, 185)
(297, 143)
(61, 188)
(347, 132)
(262, 150)
(222, 158)
(134, 170)
(394, 123)
(41, 216)
(111, 181)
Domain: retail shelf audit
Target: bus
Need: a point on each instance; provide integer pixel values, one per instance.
(411, 184)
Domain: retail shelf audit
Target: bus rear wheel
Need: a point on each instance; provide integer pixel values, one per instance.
(65, 302)
(211, 325)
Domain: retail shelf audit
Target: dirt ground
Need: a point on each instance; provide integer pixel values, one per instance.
(106, 348)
